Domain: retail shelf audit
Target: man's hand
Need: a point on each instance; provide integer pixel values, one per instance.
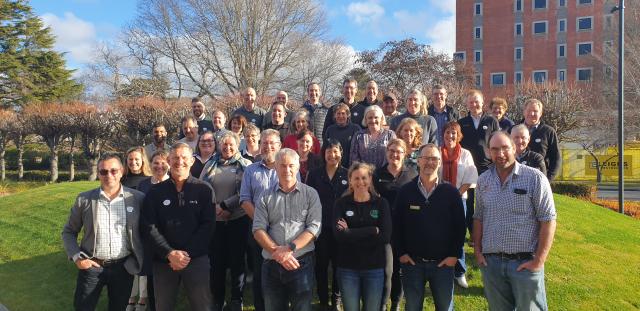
(178, 260)
(482, 262)
(290, 263)
(281, 254)
(449, 262)
(406, 259)
(531, 265)
(84, 264)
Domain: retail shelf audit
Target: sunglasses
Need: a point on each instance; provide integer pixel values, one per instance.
(105, 172)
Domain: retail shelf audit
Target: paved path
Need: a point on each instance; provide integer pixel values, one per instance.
(631, 193)
(3, 308)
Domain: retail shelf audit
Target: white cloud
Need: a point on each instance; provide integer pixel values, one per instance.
(73, 35)
(442, 35)
(365, 12)
(446, 6)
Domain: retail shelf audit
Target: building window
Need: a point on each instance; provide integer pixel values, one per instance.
(497, 79)
(540, 27)
(584, 23)
(517, 6)
(477, 9)
(459, 56)
(562, 25)
(584, 48)
(517, 31)
(583, 74)
(517, 77)
(562, 75)
(478, 80)
(584, 2)
(539, 76)
(539, 4)
(477, 33)
(562, 3)
(517, 54)
(477, 56)
(562, 51)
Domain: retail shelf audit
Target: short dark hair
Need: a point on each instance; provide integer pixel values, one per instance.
(350, 80)
(109, 156)
(159, 124)
(196, 99)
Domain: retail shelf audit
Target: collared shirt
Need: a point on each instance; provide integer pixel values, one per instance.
(441, 120)
(112, 240)
(286, 215)
(256, 179)
(476, 120)
(426, 194)
(511, 212)
(151, 148)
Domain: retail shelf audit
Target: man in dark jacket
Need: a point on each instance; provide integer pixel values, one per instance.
(521, 138)
(349, 90)
(544, 139)
(440, 111)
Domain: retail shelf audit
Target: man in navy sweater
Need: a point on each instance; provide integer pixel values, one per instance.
(429, 235)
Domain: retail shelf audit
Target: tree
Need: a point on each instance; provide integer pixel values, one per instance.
(52, 123)
(30, 71)
(400, 66)
(7, 122)
(18, 134)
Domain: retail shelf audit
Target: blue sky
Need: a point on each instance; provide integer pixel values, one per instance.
(363, 24)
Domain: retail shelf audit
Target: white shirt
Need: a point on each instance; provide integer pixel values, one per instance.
(112, 240)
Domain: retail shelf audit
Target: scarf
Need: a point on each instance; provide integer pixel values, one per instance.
(450, 164)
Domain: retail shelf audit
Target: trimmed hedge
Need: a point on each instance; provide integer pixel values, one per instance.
(578, 190)
(43, 175)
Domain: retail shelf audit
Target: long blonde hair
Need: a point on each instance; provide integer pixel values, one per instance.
(146, 166)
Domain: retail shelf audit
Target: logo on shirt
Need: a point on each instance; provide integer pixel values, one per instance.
(349, 213)
(344, 182)
(355, 114)
(253, 120)
(193, 202)
(166, 202)
(374, 213)
(484, 127)
(538, 140)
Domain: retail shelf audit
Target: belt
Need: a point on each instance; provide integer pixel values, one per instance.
(109, 262)
(418, 258)
(515, 256)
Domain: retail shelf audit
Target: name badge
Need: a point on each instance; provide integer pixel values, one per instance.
(484, 127)
(130, 209)
(538, 140)
(414, 207)
(349, 213)
(193, 202)
(355, 114)
(344, 182)
(166, 202)
(233, 170)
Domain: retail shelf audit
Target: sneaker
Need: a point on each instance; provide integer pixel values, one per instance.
(462, 281)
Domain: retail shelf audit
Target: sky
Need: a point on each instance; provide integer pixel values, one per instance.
(80, 25)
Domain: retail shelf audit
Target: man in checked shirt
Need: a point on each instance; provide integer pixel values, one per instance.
(514, 224)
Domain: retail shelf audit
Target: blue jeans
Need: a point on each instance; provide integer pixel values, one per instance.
(461, 266)
(90, 282)
(281, 287)
(365, 284)
(440, 281)
(508, 289)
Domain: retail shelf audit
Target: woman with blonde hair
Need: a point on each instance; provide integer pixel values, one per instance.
(369, 144)
(137, 168)
(411, 133)
(416, 105)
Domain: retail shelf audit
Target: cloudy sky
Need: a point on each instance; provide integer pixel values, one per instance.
(80, 24)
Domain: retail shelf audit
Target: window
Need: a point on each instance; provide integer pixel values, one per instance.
(477, 33)
(517, 6)
(497, 79)
(539, 76)
(584, 48)
(517, 31)
(562, 75)
(562, 25)
(562, 3)
(477, 9)
(478, 80)
(539, 27)
(539, 4)
(583, 74)
(585, 2)
(460, 56)
(562, 51)
(477, 56)
(517, 54)
(584, 23)
(517, 77)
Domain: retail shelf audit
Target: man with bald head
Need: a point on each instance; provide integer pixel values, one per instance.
(521, 138)
(250, 109)
(514, 224)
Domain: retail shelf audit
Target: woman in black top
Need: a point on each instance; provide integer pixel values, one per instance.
(330, 180)
(137, 168)
(362, 228)
(308, 160)
(205, 150)
(387, 180)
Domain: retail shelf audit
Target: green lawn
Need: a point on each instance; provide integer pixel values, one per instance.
(594, 263)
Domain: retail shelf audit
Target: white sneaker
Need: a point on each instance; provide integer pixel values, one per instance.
(462, 281)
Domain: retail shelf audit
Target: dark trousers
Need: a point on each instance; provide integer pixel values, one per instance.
(392, 282)
(282, 287)
(324, 251)
(90, 282)
(256, 255)
(471, 199)
(229, 246)
(195, 279)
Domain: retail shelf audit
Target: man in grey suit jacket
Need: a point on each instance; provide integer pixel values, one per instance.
(110, 251)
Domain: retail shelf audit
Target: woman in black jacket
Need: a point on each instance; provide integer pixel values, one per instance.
(362, 228)
(330, 180)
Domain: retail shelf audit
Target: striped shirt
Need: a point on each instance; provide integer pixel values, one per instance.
(511, 212)
(112, 240)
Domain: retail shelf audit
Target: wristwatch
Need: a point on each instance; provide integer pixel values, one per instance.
(292, 246)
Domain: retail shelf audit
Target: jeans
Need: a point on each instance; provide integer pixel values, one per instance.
(414, 278)
(324, 252)
(508, 289)
(229, 246)
(461, 266)
(281, 287)
(90, 282)
(357, 284)
(195, 279)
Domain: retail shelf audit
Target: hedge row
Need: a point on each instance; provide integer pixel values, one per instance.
(578, 190)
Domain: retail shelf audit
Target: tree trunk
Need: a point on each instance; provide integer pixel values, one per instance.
(20, 148)
(54, 165)
(2, 166)
(93, 168)
(72, 164)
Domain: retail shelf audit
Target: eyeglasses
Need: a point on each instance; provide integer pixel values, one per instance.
(105, 172)
(430, 159)
(503, 149)
(206, 140)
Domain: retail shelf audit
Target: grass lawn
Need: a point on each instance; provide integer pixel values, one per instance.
(594, 263)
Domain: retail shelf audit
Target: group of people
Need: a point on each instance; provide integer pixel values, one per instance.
(381, 199)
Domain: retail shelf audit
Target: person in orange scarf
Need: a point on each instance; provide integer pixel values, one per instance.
(459, 170)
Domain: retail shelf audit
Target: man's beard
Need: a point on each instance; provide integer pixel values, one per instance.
(269, 157)
(159, 140)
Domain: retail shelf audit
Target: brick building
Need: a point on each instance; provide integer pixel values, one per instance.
(511, 41)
